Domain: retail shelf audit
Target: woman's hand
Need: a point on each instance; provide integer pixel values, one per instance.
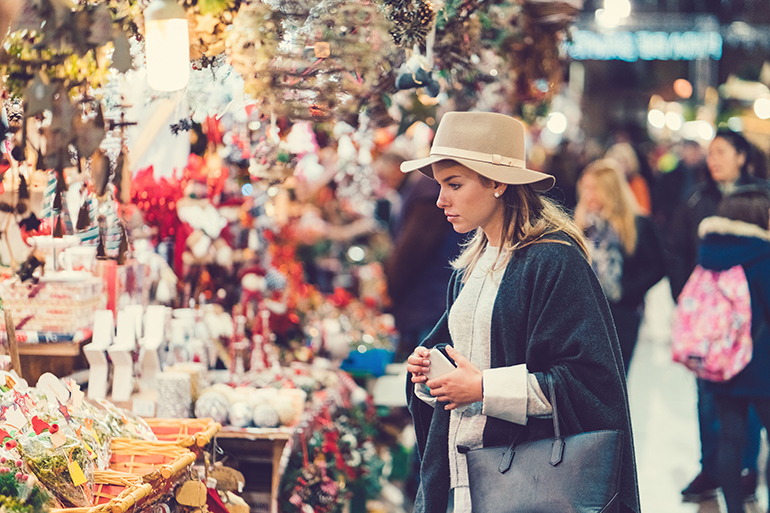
(418, 364)
(461, 386)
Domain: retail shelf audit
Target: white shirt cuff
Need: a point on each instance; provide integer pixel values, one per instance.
(505, 393)
(423, 393)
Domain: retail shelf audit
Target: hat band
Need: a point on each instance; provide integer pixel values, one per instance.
(491, 158)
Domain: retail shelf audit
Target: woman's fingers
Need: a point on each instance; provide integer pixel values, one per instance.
(418, 377)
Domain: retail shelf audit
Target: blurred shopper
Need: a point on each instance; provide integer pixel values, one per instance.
(625, 250)
(563, 165)
(739, 236)
(727, 160)
(673, 188)
(625, 155)
(418, 268)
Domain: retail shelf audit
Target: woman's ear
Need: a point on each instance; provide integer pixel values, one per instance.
(741, 161)
(499, 189)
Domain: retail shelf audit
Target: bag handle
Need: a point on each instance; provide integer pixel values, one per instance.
(557, 448)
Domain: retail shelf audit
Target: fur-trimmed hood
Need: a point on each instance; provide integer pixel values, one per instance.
(726, 243)
(725, 226)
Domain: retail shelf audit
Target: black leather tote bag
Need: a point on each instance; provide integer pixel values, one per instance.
(571, 474)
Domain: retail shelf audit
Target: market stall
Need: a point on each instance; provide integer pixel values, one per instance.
(191, 229)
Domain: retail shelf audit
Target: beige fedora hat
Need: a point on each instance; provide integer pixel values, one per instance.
(490, 144)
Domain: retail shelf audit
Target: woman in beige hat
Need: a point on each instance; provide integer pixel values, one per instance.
(523, 303)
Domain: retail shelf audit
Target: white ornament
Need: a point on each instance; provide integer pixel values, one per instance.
(359, 396)
(265, 416)
(241, 414)
(285, 409)
(212, 404)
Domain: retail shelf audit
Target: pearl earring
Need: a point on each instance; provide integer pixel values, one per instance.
(497, 195)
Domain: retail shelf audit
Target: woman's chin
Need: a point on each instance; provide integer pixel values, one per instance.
(460, 228)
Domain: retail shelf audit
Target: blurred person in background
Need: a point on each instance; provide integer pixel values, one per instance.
(739, 235)
(625, 155)
(563, 165)
(727, 160)
(674, 187)
(418, 268)
(625, 250)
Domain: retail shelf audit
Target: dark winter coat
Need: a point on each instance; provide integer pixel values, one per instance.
(645, 267)
(551, 314)
(683, 240)
(727, 243)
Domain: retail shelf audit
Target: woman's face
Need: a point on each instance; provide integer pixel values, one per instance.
(589, 194)
(467, 203)
(723, 161)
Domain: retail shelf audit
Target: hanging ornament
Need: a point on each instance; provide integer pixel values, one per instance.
(123, 247)
(58, 231)
(100, 172)
(101, 251)
(84, 217)
(23, 189)
(411, 21)
(89, 132)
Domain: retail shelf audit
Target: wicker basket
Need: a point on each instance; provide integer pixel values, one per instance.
(108, 484)
(192, 434)
(141, 457)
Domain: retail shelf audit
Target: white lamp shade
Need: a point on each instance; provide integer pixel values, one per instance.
(167, 46)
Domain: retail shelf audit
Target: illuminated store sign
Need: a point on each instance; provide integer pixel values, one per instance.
(648, 46)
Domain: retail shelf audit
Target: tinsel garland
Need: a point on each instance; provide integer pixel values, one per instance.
(311, 59)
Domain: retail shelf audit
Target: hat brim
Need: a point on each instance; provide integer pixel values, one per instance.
(503, 174)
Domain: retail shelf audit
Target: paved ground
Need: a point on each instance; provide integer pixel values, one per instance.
(663, 410)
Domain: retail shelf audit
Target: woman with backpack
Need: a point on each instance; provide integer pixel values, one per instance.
(728, 161)
(738, 236)
(625, 250)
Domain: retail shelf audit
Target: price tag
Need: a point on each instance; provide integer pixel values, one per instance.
(144, 408)
(76, 473)
(14, 418)
(58, 439)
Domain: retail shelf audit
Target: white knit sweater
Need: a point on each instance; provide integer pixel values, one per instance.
(510, 393)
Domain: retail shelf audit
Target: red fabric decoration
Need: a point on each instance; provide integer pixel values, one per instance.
(4, 434)
(214, 503)
(39, 425)
(157, 201)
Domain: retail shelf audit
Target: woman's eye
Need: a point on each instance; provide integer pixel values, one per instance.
(454, 186)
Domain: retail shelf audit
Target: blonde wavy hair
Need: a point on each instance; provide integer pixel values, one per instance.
(528, 218)
(619, 207)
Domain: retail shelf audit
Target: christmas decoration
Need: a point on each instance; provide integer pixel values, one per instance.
(412, 21)
(266, 416)
(311, 59)
(212, 404)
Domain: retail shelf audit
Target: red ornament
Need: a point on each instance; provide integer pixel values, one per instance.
(39, 425)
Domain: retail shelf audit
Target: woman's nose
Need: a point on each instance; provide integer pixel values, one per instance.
(441, 201)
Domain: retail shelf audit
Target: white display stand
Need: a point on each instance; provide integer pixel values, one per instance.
(121, 354)
(156, 319)
(98, 367)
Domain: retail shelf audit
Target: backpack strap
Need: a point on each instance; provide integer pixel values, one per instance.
(765, 307)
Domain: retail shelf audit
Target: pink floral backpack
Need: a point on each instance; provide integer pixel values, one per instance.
(712, 324)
